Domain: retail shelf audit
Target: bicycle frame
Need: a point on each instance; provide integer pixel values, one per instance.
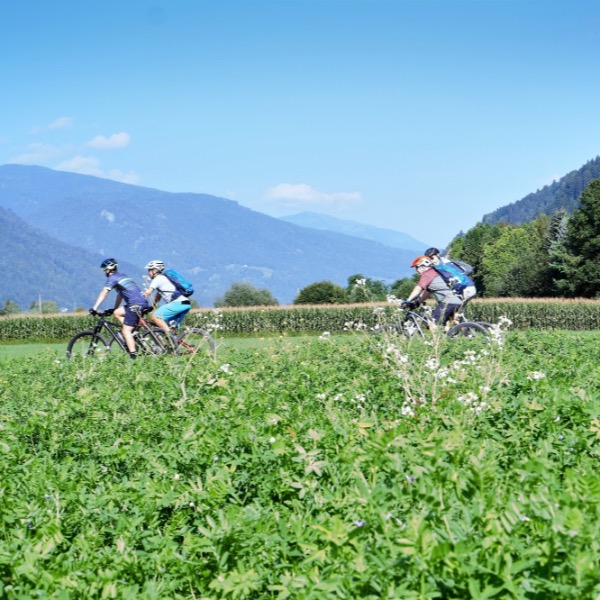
(114, 330)
(415, 321)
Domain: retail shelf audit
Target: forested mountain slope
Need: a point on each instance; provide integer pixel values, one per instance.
(564, 193)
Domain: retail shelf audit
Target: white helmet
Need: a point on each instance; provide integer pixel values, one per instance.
(156, 265)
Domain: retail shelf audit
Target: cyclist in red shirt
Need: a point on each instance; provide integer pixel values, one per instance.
(431, 283)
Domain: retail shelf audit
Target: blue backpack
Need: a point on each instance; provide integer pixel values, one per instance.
(454, 275)
(184, 287)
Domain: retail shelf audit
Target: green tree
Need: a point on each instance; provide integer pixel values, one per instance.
(322, 292)
(245, 294)
(511, 263)
(582, 244)
(10, 308)
(470, 249)
(401, 288)
(46, 307)
(365, 289)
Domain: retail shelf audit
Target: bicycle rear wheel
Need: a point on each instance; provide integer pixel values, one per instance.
(86, 344)
(468, 330)
(196, 340)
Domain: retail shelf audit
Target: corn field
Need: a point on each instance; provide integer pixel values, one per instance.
(576, 315)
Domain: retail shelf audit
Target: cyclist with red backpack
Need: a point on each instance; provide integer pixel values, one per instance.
(169, 289)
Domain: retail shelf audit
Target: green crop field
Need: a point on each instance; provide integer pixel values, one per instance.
(351, 466)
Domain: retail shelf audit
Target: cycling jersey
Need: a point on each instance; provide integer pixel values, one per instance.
(129, 290)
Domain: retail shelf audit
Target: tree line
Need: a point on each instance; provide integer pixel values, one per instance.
(550, 256)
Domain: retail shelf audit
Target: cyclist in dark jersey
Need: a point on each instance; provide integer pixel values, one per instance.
(129, 292)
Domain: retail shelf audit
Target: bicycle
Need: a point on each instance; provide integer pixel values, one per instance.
(149, 340)
(416, 321)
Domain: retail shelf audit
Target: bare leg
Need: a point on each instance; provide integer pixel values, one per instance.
(160, 323)
(126, 330)
(128, 337)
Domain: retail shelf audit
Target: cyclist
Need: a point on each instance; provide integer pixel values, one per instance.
(455, 272)
(176, 306)
(432, 283)
(134, 305)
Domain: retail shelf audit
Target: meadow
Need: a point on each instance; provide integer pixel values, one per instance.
(347, 466)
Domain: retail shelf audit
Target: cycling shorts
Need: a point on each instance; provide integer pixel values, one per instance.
(132, 313)
(174, 311)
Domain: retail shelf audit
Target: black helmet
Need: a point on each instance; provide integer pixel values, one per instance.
(109, 264)
(432, 252)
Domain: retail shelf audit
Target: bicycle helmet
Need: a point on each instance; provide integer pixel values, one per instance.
(109, 264)
(432, 252)
(421, 261)
(156, 265)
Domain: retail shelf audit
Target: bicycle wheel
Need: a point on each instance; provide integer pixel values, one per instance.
(195, 340)
(468, 330)
(157, 342)
(85, 344)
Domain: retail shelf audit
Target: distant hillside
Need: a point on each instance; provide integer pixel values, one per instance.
(32, 264)
(564, 193)
(387, 237)
(213, 241)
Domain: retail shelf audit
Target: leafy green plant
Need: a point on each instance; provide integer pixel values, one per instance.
(293, 471)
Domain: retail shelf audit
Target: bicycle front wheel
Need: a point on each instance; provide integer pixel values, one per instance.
(410, 327)
(196, 340)
(86, 344)
(468, 330)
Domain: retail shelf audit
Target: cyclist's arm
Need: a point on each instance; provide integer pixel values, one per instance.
(101, 296)
(148, 292)
(416, 293)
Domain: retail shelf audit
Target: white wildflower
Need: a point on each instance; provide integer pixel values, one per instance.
(536, 375)
(432, 363)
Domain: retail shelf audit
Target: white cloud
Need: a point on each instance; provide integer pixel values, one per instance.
(37, 154)
(116, 140)
(89, 165)
(292, 195)
(86, 165)
(61, 123)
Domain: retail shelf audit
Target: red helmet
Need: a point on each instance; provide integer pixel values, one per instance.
(421, 261)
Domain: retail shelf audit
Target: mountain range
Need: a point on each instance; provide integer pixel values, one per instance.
(388, 237)
(33, 266)
(58, 226)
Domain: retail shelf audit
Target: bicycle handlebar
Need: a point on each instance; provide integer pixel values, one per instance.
(101, 313)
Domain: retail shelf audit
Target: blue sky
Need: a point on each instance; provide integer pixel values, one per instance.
(414, 115)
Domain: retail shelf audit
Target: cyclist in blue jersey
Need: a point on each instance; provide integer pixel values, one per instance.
(128, 291)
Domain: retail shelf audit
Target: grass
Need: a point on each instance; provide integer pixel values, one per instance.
(352, 467)
(225, 345)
